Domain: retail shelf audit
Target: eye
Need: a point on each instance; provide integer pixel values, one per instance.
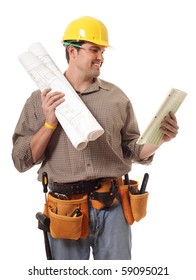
(96, 50)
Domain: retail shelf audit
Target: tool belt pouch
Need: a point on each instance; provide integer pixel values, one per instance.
(103, 197)
(134, 206)
(138, 204)
(62, 225)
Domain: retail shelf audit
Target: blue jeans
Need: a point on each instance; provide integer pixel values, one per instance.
(109, 237)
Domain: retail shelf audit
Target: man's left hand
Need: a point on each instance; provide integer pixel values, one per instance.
(169, 127)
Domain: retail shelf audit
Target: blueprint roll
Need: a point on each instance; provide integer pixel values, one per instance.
(73, 115)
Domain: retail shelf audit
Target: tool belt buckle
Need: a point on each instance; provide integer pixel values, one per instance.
(105, 196)
(60, 196)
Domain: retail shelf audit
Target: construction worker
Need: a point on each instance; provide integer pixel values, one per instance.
(39, 139)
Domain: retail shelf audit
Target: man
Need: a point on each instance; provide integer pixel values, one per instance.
(39, 138)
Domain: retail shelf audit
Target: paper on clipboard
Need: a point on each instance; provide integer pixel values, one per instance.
(172, 102)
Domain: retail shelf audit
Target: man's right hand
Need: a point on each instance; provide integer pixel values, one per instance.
(50, 100)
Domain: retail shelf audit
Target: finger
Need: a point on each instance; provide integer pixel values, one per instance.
(46, 91)
(54, 97)
(171, 121)
(170, 124)
(167, 128)
(57, 102)
(172, 116)
(168, 133)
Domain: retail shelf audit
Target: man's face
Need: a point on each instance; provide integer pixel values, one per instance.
(90, 59)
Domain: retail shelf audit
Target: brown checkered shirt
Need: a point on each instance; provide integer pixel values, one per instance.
(111, 155)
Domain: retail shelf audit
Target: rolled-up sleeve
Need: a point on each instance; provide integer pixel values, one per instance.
(28, 124)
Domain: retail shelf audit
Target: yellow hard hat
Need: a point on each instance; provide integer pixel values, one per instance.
(87, 29)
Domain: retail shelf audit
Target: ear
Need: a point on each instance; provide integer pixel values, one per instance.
(72, 51)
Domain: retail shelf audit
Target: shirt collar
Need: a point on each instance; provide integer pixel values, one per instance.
(95, 86)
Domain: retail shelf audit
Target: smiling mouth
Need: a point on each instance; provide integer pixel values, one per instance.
(97, 65)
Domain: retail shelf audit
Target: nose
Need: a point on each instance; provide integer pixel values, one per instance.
(100, 56)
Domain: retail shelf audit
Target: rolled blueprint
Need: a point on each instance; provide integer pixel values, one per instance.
(75, 118)
(40, 52)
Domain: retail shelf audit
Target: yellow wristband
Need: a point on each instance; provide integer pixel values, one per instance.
(50, 126)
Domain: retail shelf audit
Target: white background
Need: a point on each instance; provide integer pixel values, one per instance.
(154, 50)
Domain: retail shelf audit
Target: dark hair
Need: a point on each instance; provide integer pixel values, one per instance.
(72, 43)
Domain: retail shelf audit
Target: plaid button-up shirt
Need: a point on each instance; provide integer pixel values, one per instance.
(111, 155)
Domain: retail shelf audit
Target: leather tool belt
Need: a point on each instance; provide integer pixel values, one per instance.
(76, 187)
(67, 205)
(102, 192)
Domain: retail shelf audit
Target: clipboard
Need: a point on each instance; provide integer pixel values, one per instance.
(153, 134)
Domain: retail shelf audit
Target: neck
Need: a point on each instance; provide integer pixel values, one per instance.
(78, 82)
